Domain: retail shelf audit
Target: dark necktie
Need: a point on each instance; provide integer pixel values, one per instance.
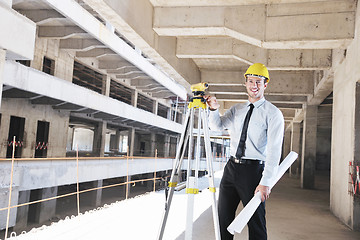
(241, 148)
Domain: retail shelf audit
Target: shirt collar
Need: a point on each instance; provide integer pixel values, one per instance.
(257, 103)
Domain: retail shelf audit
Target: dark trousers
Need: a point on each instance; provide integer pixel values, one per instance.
(238, 184)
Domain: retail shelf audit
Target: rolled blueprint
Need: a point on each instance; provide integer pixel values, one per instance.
(244, 216)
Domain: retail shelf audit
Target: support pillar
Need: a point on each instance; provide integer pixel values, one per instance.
(152, 144)
(99, 139)
(134, 98)
(117, 140)
(308, 159)
(295, 146)
(2, 62)
(127, 187)
(22, 212)
(149, 184)
(96, 195)
(169, 114)
(4, 201)
(131, 141)
(155, 107)
(47, 209)
(106, 85)
(287, 142)
(167, 146)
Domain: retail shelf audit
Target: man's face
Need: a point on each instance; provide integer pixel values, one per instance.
(255, 88)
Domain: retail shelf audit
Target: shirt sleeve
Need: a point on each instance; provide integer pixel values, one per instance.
(275, 136)
(219, 123)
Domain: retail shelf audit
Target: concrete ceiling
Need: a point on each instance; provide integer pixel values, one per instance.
(214, 41)
(300, 41)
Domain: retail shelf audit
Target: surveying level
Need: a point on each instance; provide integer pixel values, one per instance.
(186, 140)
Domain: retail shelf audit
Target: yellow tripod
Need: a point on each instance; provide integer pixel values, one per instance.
(197, 103)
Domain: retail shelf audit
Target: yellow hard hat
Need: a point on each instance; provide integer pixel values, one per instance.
(258, 70)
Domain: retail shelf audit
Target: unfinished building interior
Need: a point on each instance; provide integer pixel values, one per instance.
(105, 80)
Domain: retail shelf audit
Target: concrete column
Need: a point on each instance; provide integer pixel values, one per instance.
(2, 61)
(96, 194)
(117, 140)
(308, 158)
(30, 129)
(167, 146)
(131, 141)
(4, 129)
(99, 139)
(155, 107)
(168, 115)
(106, 85)
(127, 187)
(214, 146)
(149, 184)
(47, 209)
(152, 144)
(286, 142)
(4, 201)
(295, 146)
(134, 98)
(22, 212)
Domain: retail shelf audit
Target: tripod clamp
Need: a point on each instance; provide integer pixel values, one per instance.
(198, 101)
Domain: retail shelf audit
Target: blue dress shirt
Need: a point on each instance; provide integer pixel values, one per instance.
(264, 135)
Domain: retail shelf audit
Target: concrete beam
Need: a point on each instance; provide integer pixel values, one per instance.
(80, 44)
(153, 89)
(274, 59)
(113, 64)
(141, 34)
(122, 70)
(288, 113)
(224, 21)
(60, 32)
(141, 82)
(96, 52)
(165, 94)
(42, 16)
(322, 89)
(131, 75)
(94, 27)
(288, 105)
(299, 115)
(281, 82)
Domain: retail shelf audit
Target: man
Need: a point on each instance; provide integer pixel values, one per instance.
(256, 130)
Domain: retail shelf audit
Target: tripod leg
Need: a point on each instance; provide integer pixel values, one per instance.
(192, 183)
(175, 171)
(209, 161)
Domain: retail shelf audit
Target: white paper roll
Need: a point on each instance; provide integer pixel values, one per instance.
(244, 216)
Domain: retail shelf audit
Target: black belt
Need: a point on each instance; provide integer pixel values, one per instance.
(246, 161)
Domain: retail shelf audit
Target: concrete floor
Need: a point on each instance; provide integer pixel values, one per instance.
(292, 213)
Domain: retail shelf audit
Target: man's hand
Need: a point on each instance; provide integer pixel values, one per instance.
(212, 102)
(264, 192)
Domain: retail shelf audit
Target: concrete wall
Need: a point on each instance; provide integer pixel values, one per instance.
(64, 62)
(343, 144)
(59, 121)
